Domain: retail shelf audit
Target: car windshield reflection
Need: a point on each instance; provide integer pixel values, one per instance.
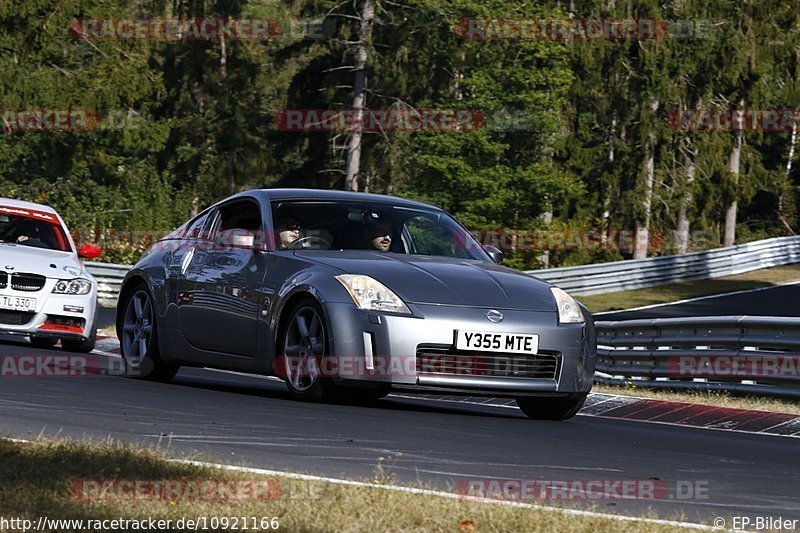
(377, 227)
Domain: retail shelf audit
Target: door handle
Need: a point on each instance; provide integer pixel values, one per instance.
(187, 259)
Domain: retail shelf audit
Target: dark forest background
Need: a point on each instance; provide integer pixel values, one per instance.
(579, 136)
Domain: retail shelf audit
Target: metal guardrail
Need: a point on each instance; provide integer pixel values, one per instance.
(636, 274)
(604, 277)
(109, 278)
(742, 354)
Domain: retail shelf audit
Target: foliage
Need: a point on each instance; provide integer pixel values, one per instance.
(561, 138)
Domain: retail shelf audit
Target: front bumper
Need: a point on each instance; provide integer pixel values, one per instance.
(361, 337)
(48, 307)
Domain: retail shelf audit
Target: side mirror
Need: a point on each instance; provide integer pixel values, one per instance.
(89, 251)
(494, 253)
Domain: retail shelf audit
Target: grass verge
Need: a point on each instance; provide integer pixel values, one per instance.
(756, 279)
(38, 477)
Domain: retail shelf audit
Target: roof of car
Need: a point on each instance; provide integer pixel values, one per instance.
(327, 194)
(8, 202)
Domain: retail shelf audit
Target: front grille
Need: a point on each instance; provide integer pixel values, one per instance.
(3, 280)
(450, 362)
(27, 282)
(15, 318)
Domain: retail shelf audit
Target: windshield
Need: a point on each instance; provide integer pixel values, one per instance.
(326, 225)
(36, 229)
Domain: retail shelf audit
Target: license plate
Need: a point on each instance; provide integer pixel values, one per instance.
(15, 303)
(488, 341)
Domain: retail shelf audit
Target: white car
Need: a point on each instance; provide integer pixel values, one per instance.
(46, 292)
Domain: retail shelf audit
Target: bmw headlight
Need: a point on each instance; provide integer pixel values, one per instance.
(569, 312)
(76, 286)
(371, 294)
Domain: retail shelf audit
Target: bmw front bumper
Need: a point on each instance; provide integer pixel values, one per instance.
(59, 316)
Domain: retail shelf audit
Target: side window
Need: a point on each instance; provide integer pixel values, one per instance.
(195, 229)
(427, 237)
(241, 214)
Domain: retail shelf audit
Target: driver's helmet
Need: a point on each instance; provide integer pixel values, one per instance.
(27, 229)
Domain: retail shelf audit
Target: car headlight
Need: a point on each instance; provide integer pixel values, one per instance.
(371, 294)
(73, 286)
(569, 312)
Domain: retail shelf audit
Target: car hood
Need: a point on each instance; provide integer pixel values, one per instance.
(49, 263)
(443, 281)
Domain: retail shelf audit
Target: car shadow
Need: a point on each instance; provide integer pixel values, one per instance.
(198, 378)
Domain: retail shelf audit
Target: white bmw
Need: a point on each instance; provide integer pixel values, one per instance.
(46, 292)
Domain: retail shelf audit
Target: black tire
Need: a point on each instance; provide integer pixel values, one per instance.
(80, 346)
(42, 342)
(303, 344)
(138, 338)
(539, 408)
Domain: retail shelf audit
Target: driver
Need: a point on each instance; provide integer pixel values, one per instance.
(288, 231)
(29, 234)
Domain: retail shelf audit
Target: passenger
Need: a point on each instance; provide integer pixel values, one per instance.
(380, 236)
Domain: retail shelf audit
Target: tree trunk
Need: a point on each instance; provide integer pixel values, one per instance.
(682, 231)
(353, 165)
(733, 167)
(643, 225)
(230, 157)
(604, 224)
(547, 218)
(787, 177)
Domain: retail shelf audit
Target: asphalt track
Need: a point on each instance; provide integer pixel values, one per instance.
(235, 419)
(249, 420)
(780, 300)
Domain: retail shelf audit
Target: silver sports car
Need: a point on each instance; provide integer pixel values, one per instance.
(353, 294)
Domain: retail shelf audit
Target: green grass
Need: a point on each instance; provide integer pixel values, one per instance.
(37, 477)
(767, 277)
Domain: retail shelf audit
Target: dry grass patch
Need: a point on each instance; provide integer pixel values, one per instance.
(38, 476)
(767, 277)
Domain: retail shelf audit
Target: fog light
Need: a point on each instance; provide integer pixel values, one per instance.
(63, 323)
